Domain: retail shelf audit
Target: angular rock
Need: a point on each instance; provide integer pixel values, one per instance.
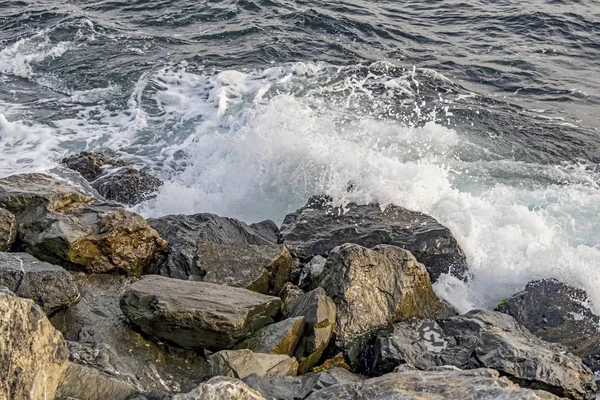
(312, 272)
(59, 225)
(91, 165)
(557, 313)
(484, 384)
(279, 338)
(8, 229)
(267, 229)
(101, 338)
(221, 388)
(50, 286)
(374, 288)
(184, 232)
(318, 227)
(483, 339)
(241, 363)
(33, 355)
(197, 315)
(290, 292)
(319, 315)
(263, 269)
(337, 361)
(86, 383)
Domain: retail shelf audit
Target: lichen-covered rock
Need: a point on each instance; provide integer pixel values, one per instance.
(557, 313)
(318, 227)
(221, 388)
(290, 292)
(8, 229)
(311, 273)
(263, 269)
(50, 286)
(374, 288)
(483, 339)
(184, 232)
(279, 338)
(241, 363)
(197, 315)
(33, 355)
(319, 315)
(267, 229)
(57, 224)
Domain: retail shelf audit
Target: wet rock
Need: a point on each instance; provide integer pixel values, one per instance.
(59, 225)
(263, 269)
(374, 288)
(91, 165)
(241, 363)
(8, 229)
(311, 273)
(197, 315)
(319, 315)
(279, 338)
(100, 337)
(33, 355)
(290, 292)
(221, 388)
(184, 232)
(557, 313)
(484, 339)
(50, 286)
(267, 229)
(317, 228)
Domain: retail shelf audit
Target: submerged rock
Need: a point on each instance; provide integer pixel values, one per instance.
(374, 288)
(50, 286)
(221, 388)
(241, 363)
(483, 339)
(558, 313)
(8, 229)
(185, 232)
(59, 225)
(33, 355)
(197, 315)
(279, 338)
(318, 227)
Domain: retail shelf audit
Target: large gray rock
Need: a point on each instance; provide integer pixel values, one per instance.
(33, 355)
(197, 315)
(374, 288)
(261, 268)
(50, 286)
(483, 339)
(312, 272)
(221, 388)
(101, 338)
(57, 224)
(8, 229)
(279, 338)
(450, 384)
(319, 315)
(318, 227)
(558, 313)
(241, 363)
(184, 232)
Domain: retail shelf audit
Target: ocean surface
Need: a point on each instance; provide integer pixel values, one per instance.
(484, 114)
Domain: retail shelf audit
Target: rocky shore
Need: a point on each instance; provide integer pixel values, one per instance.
(99, 303)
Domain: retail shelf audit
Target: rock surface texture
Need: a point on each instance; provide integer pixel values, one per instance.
(197, 315)
(221, 388)
(8, 229)
(318, 227)
(59, 225)
(279, 338)
(242, 363)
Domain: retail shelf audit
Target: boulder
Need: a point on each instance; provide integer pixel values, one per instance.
(101, 338)
(318, 227)
(483, 339)
(279, 338)
(33, 355)
(57, 224)
(451, 384)
(184, 232)
(319, 315)
(311, 273)
(267, 229)
(241, 363)
(374, 288)
(290, 292)
(558, 313)
(197, 315)
(8, 229)
(221, 388)
(261, 268)
(50, 286)
(114, 179)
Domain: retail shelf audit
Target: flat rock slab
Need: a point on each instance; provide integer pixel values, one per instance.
(261, 268)
(318, 227)
(197, 315)
(82, 382)
(242, 363)
(50, 286)
(279, 338)
(8, 229)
